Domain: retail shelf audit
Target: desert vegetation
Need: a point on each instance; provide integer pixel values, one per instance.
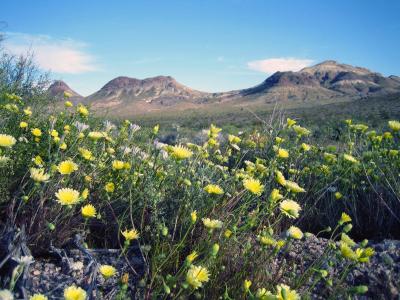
(210, 218)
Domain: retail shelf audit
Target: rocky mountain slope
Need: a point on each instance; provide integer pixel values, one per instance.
(328, 81)
(150, 92)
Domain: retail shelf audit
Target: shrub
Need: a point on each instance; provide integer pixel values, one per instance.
(210, 217)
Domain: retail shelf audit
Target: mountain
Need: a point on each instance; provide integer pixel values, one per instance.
(322, 83)
(327, 80)
(154, 92)
(59, 87)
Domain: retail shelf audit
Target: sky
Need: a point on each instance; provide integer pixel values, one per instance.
(209, 45)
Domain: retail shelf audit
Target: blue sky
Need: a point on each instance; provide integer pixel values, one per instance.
(209, 45)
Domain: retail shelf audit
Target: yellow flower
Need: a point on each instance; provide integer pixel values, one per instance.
(350, 158)
(280, 178)
(196, 275)
(85, 153)
(294, 187)
(54, 133)
(7, 141)
(110, 187)
(279, 140)
(74, 293)
(364, 254)
(28, 111)
(193, 216)
(67, 167)
(38, 160)
(107, 271)
(359, 127)
(290, 208)
(394, 125)
(295, 232)
(290, 122)
(83, 111)
(68, 104)
(191, 257)
(67, 196)
(305, 147)
(214, 189)
(345, 218)
(275, 195)
(88, 211)
(348, 240)
(63, 146)
(212, 224)
(301, 130)
(347, 252)
(38, 297)
(234, 139)
(130, 234)
(282, 153)
(39, 175)
(338, 195)
(96, 135)
(263, 294)
(329, 157)
(254, 186)
(227, 233)
(285, 293)
(180, 152)
(36, 132)
(387, 135)
(118, 165)
(214, 130)
(23, 124)
(67, 95)
(246, 285)
(156, 128)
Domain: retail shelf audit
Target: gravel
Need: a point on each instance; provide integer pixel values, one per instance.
(381, 274)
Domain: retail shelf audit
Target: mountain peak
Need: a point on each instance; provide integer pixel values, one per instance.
(59, 87)
(158, 91)
(333, 67)
(129, 82)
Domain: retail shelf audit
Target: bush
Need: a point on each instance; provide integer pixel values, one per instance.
(209, 218)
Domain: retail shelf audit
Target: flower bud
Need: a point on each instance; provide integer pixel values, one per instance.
(215, 249)
(360, 289)
(347, 228)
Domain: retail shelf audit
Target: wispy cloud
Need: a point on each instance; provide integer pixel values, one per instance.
(65, 56)
(272, 65)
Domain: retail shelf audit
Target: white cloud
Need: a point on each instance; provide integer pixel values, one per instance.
(65, 56)
(272, 65)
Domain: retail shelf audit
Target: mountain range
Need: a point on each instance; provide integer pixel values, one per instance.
(328, 81)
